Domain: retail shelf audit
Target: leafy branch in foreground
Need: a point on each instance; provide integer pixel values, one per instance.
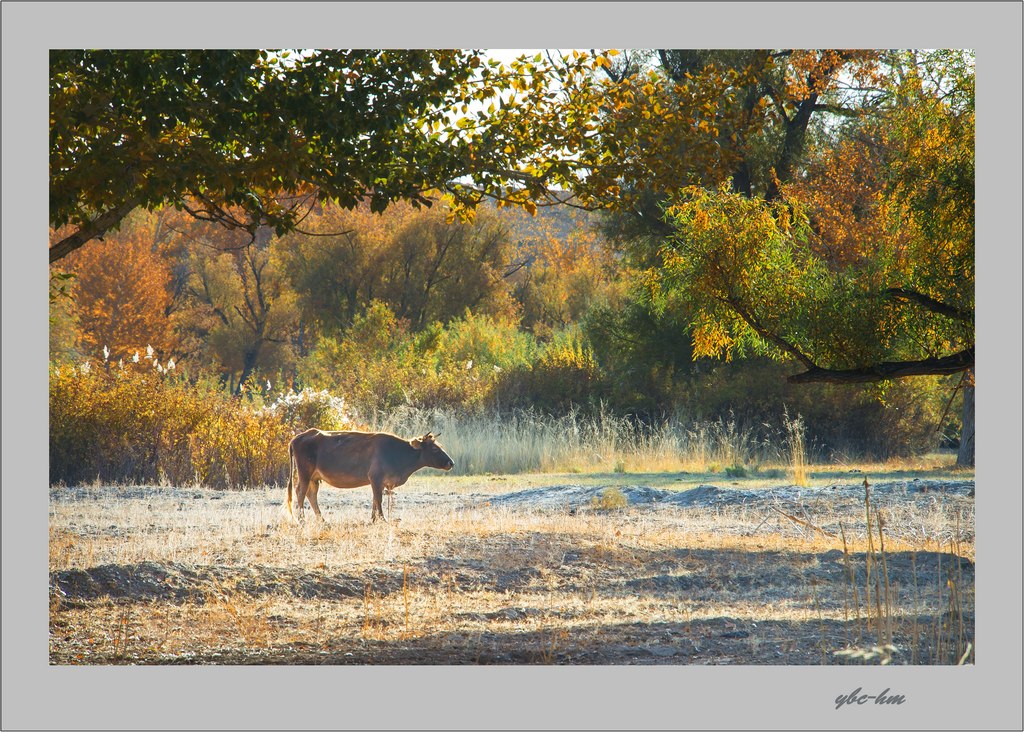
(257, 138)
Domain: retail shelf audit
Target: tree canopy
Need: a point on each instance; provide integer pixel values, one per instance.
(243, 138)
(814, 206)
(256, 138)
(834, 223)
(897, 298)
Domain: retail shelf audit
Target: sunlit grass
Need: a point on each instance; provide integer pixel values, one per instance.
(451, 570)
(577, 443)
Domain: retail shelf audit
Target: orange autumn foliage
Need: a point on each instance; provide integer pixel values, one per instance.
(123, 291)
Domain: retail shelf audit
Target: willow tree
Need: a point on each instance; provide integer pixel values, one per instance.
(896, 301)
(814, 205)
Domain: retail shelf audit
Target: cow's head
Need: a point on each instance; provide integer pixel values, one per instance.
(434, 455)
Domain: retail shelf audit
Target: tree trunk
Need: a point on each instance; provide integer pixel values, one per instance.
(965, 458)
(250, 359)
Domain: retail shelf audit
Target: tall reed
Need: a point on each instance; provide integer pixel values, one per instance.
(883, 631)
(524, 441)
(795, 431)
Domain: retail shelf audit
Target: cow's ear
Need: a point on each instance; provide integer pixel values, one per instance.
(416, 443)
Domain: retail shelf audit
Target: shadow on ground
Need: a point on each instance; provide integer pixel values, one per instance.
(685, 578)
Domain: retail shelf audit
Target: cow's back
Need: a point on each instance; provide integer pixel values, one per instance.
(342, 459)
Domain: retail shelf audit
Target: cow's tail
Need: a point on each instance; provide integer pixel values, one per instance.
(291, 475)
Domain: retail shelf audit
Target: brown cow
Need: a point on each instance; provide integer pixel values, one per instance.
(350, 459)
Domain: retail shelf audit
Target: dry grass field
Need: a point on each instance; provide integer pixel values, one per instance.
(577, 568)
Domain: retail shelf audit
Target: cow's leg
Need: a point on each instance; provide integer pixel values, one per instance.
(301, 489)
(378, 493)
(314, 486)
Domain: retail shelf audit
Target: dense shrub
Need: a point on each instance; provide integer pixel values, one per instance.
(365, 364)
(870, 421)
(564, 376)
(117, 423)
(132, 423)
(645, 354)
(541, 405)
(380, 365)
(239, 447)
(308, 408)
(480, 363)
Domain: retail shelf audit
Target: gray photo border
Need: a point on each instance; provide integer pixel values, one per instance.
(38, 696)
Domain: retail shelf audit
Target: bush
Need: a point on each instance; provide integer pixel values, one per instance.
(564, 377)
(118, 423)
(367, 364)
(308, 408)
(133, 423)
(856, 421)
(610, 499)
(235, 448)
(482, 363)
(379, 365)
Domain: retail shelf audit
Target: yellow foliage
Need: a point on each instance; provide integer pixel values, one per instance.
(129, 422)
(711, 338)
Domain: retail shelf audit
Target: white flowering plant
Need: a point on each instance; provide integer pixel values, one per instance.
(310, 408)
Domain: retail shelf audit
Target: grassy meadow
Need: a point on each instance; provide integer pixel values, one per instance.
(461, 574)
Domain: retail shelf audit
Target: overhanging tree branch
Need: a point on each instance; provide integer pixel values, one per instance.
(945, 365)
(95, 228)
(773, 338)
(839, 110)
(930, 303)
(932, 366)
